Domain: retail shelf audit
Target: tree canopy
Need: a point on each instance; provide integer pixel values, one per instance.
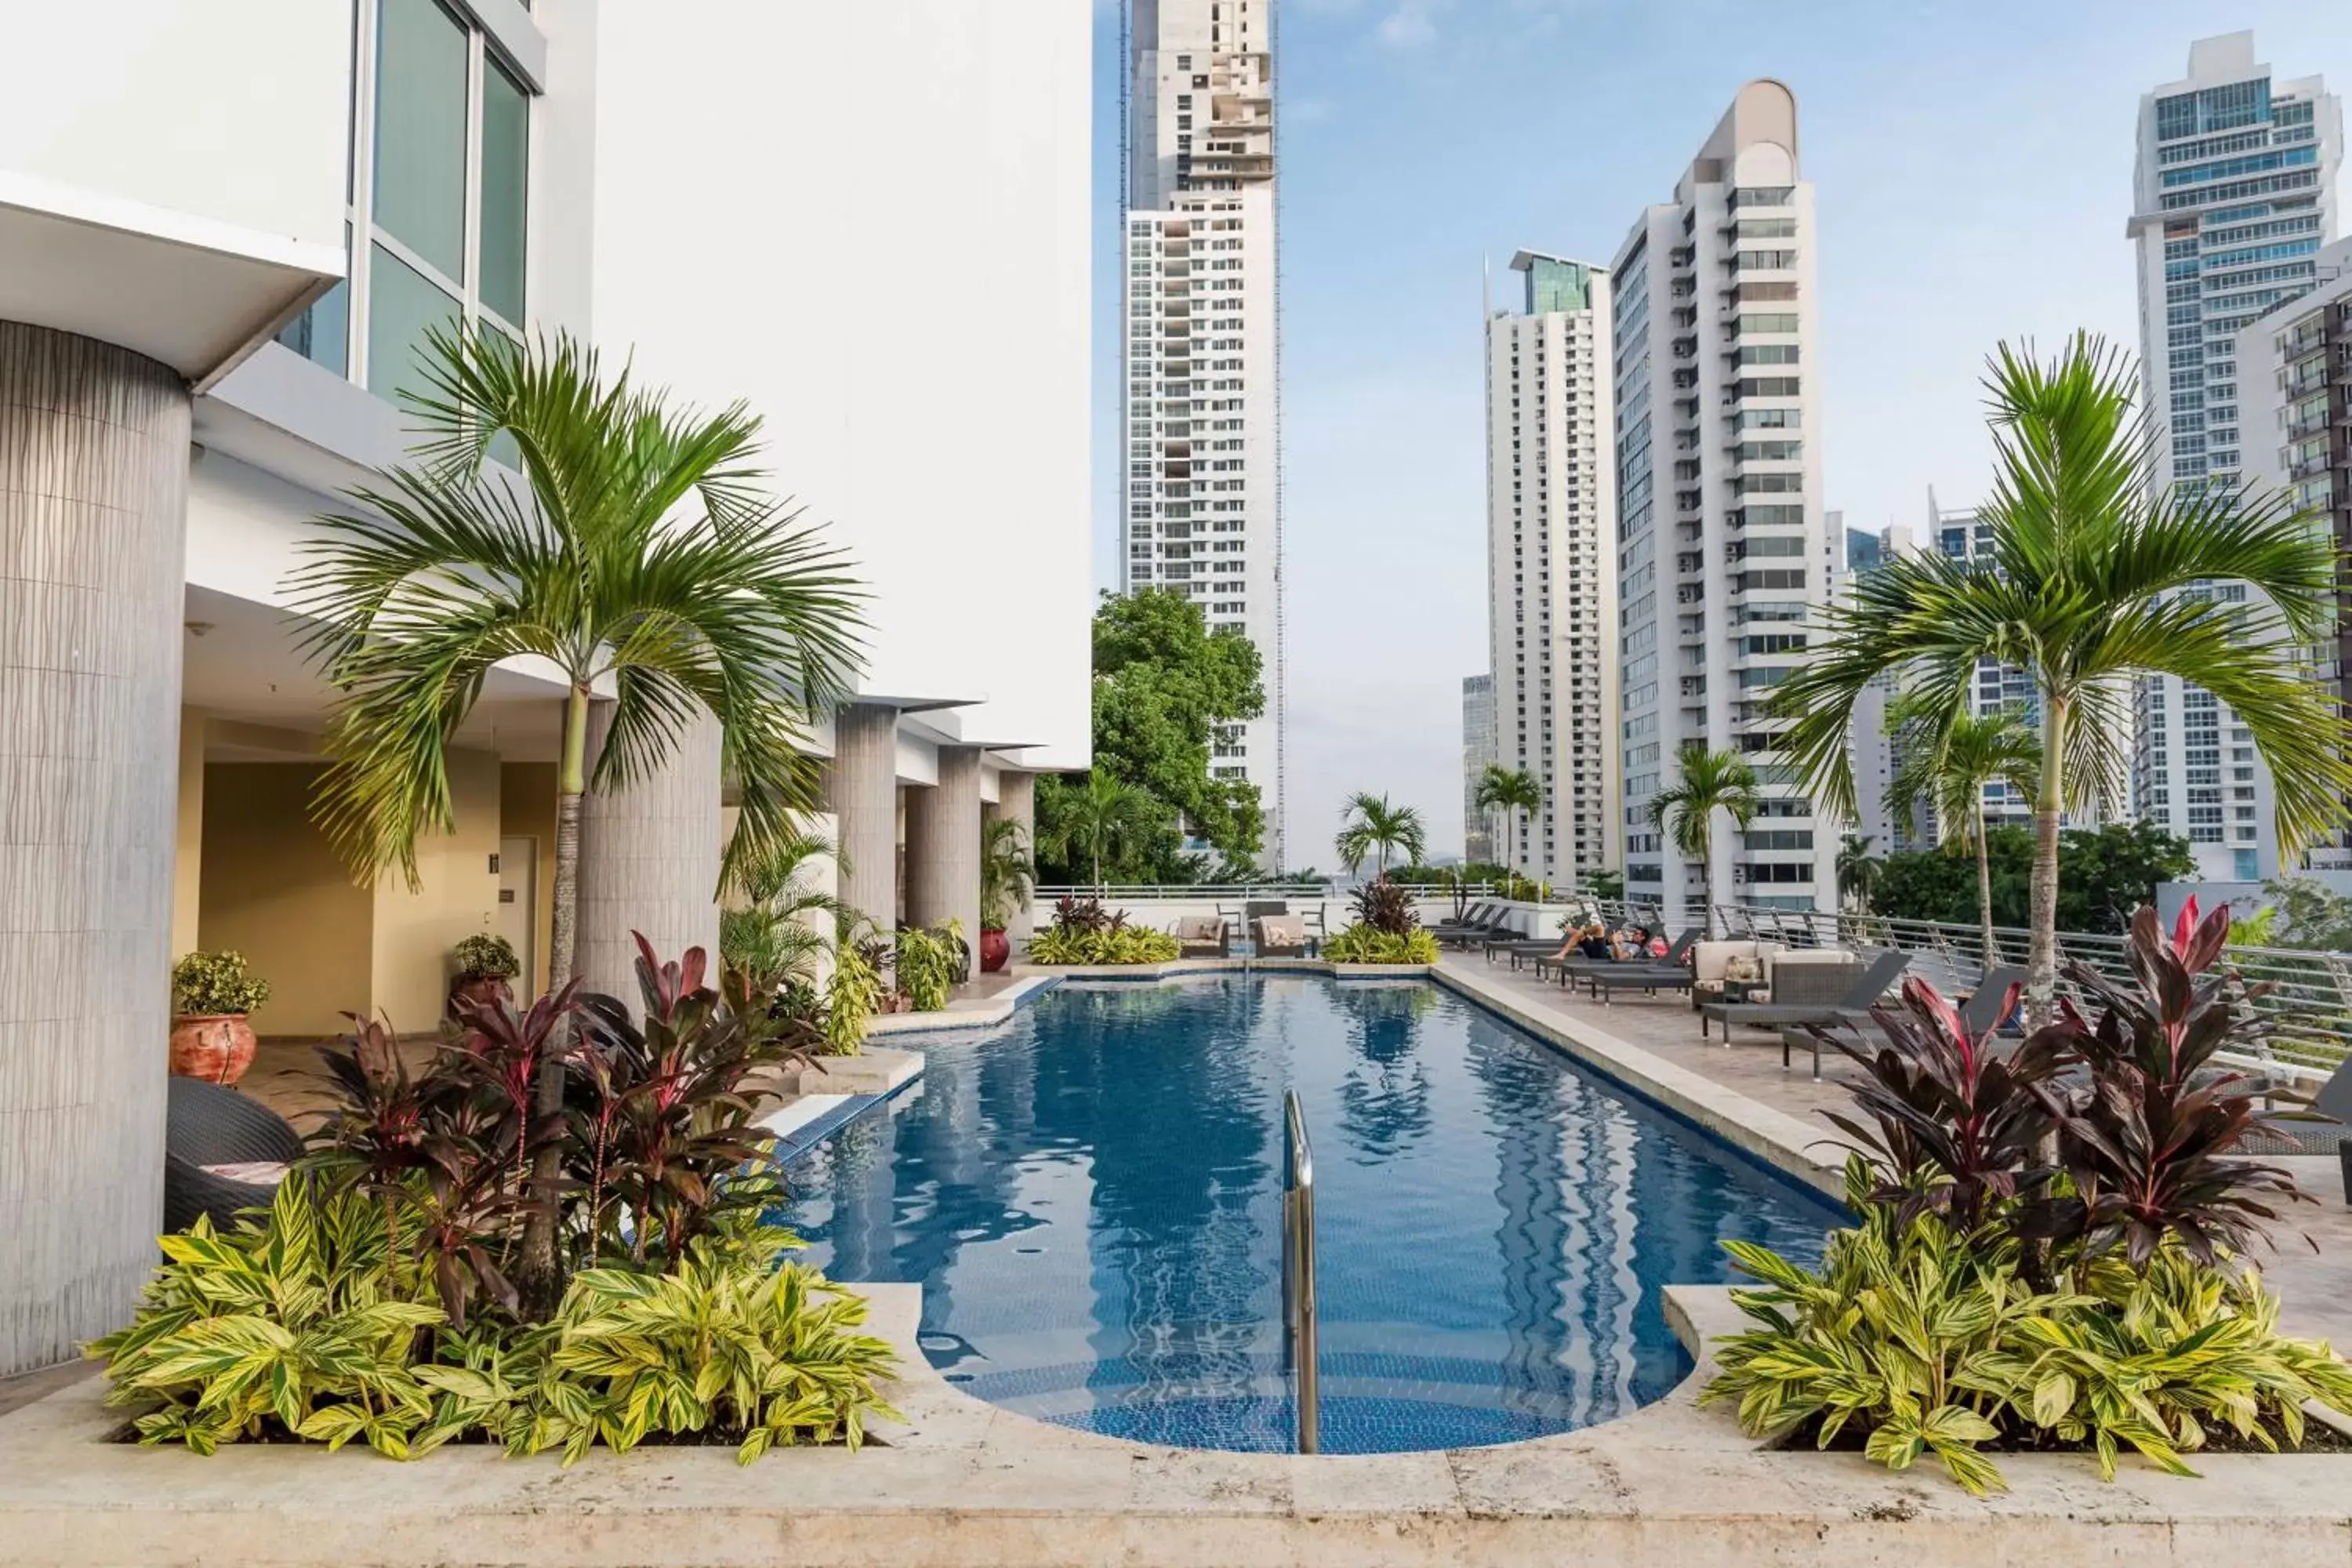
(2104, 875)
(1164, 685)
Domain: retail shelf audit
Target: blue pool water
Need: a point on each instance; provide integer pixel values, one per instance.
(1090, 1194)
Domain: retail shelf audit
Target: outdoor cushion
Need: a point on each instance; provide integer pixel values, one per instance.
(1282, 930)
(1200, 928)
(252, 1172)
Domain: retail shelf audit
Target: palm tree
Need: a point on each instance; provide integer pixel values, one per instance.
(638, 555)
(772, 937)
(1369, 824)
(2094, 577)
(1006, 875)
(1108, 817)
(1684, 810)
(1858, 869)
(1951, 777)
(1509, 790)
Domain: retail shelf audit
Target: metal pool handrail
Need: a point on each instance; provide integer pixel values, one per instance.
(1299, 1337)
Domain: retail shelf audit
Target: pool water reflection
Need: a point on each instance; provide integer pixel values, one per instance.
(1089, 1197)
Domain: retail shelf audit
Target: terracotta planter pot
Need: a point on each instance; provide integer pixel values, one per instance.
(214, 1046)
(478, 988)
(995, 951)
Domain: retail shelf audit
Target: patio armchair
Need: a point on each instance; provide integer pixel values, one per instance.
(1203, 936)
(1810, 994)
(223, 1152)
(1281, 936)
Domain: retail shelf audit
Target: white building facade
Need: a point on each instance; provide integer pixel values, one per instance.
(1201, 424)
(2234, 193)
(1723, 556)
(1553, 590)
(2296, 369)
(230, 231)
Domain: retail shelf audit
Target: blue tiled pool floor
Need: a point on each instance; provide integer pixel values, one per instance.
(1089, 1197)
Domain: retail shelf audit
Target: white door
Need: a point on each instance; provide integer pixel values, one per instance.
(519, 904)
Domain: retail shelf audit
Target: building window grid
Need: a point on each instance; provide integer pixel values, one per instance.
(354, 301)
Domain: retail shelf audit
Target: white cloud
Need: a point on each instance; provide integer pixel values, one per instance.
(1411, 26)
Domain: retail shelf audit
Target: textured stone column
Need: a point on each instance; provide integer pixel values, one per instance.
(93, 544)
(943, 846)
(649, 862)
(1016, 801)
(861, 789)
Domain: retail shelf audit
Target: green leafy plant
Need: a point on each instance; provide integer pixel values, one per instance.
(1512, 790)
(777, 936)
(1927, 1340)
(215, 983)
(731, 1340)
(308, 1318)
(1006, 874)
(853, 993)
(1365, 944)
(929, 963)
(486, 955)
(1119, 945)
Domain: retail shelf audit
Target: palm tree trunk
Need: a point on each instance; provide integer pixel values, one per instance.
(1706, 884)
(1992, 952)
(2042, 956)
(540, 1277)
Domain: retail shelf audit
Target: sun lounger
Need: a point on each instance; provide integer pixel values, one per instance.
(1979, 1014)
(1858, 992)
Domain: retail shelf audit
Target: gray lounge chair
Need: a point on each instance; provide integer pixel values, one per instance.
(207, 1128)
(1858, 994)
(1575, 966)
(1203, 936)
(1980, 1013)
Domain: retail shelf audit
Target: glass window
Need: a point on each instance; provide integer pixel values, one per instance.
(402, 304)
(506, 175)
(420, 131)
(322, 333)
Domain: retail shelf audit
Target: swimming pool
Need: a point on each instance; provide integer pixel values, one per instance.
(1090, 1194)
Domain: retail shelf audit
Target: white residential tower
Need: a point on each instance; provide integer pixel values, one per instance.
(1550, 535)
(2234, 194)
(1202, 506)
(1722, 552)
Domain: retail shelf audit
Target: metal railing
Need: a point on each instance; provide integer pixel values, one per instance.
(1298, 1339)
(2308, 1006)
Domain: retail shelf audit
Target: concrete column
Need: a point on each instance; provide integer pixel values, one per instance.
(1016, 801)
(943, 846)
(93, 545)
(649, 862)
(861, 790)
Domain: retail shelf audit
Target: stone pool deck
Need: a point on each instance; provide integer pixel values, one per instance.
(965, 1485)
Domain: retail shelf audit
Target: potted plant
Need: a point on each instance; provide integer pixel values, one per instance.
(212, 992)
(486, 965)
(1006, 879)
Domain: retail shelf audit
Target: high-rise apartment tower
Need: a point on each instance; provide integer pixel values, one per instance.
(1721, 546)
(1200, 509)
(1550, 536)
(2234, 194)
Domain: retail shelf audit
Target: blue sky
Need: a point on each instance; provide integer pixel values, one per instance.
(1972, 165)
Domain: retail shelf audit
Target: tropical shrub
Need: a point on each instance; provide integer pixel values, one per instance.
(1364, 944)
(486, 955)
(1988, 1293)
(1114, 944)
(314, 1321)
(1925, 1339)
(215, 983)
(853, 992)
(1385, 907)
(930, 962)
